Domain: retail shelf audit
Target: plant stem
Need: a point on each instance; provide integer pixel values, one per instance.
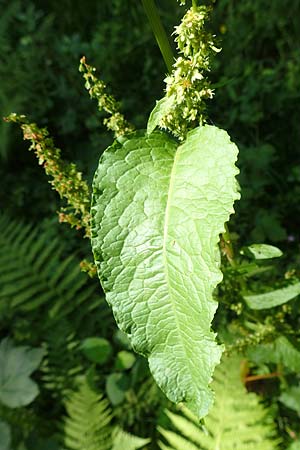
(227, 246)
(265, 376)
(194, 3)
(159, 32)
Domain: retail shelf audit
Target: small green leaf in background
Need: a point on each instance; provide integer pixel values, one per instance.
(263, 251)
(16, 365)
(124, 360)
(122, 340)
(273, 298)
(5, 436)
(280, 351)
(291, 398)
(159, 111)
(97, 349)
(116, 386)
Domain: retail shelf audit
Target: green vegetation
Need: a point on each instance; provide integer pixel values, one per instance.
(188, 272)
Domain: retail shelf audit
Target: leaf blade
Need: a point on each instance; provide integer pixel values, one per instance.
(264, 251)
(16, 364)
(157, 213)
(273, 298)
(161, 108)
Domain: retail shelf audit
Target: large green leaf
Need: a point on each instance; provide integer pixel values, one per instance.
(157, 212)
(16, 364)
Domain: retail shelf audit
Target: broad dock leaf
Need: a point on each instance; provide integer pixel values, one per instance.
(157, 212)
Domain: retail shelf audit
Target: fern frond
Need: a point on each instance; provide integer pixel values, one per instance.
(237, 421)
(61, 366)
(35, 280)
(33, 275)
(88, 425)
(123, 440)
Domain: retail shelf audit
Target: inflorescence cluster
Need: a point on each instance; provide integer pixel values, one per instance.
(65, 178)
(187, 85)
(116, 122)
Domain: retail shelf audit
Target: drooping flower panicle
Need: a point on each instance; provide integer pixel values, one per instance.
(65, 177)
(116, 121)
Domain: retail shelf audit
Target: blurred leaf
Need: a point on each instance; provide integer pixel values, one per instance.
(123, 440)
(264, 251)
(122, 339)
(96, 349)
(280, 351)
(16, 364)
(294, 446)
(116, 386)
(5, 436)
(291, 398)
(268, 227)
(273, 298)
(124, 360)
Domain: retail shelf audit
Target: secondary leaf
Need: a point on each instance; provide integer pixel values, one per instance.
(159, 111)
(280, 351)
(291, 398)
(273, 298)
(116, 386)
(157, 212)
(16, 364)
(124, 360)
(97, 349)
(264, 251)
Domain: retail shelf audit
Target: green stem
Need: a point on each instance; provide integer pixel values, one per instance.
(194, 3)
(229, 247)
(159, 32)
(230, 254)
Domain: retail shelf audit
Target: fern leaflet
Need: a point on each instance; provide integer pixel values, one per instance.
(237, 421)
(88, 425)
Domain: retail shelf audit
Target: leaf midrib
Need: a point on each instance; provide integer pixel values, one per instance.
(164, 252)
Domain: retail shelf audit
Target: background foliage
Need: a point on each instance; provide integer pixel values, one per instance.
(45, 302)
